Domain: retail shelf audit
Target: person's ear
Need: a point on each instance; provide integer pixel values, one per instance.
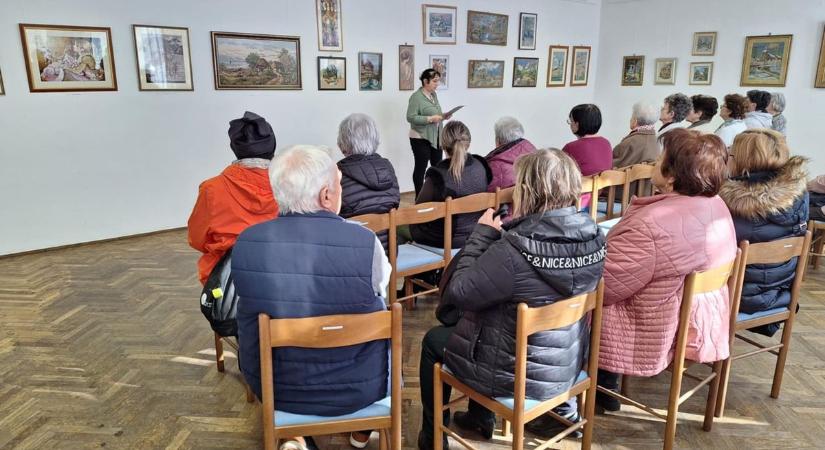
(324, 198)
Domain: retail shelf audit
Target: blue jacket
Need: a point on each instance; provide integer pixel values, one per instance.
(307, 265)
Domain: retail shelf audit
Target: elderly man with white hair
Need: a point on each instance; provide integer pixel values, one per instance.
(640, 145)
(776, 107)
(311, 262)
(510, 144)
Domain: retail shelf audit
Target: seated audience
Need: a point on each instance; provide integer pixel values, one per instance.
(704, 109)
(498, 269)
(591, 152)
(510, 144)
(674, 111)
(460, 175)
(237, 198)
(776, 108)
(658, 242)
(733, 112)
(768, 200)
(758, 115)
(640, 145)
(311, 262)
(816, 191)
(368, 181)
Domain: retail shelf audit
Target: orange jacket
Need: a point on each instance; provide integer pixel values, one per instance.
(227, 204)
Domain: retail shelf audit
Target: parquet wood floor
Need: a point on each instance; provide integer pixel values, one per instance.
(103, 346)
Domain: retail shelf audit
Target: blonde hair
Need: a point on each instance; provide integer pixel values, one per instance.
(758, 150)
(455, 138)
(546, 179)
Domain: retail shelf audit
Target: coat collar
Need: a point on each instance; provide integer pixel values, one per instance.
(761, 194)
(320, 214)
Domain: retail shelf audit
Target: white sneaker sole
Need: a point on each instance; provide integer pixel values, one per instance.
(357, 444)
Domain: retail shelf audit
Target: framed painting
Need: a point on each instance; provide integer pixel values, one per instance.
(704, 43)
(557, 66)
(66, 58)
(525, 72)
(438, 23)
(765, 62)
(406, 67)
(2, 89)
(164, 62)
(256, 61)
(665, 72)
(332, 73)
(527, 26)
(330, 31)
(633, 70)
(580, 67)
(486, 28)
(820, 68)
(370, 71)
(485, 73)
(441, 63)
(701, 73)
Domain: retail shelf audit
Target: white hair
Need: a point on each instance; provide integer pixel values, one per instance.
(777, 101)
(508, 129)
(358, 135)
(645, 113)
(297, 175)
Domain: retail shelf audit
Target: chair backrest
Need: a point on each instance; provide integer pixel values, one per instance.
(504, 196)
(420, 213)
(641, 173)
(607, 179)
(375, 222)
(587, 188)
(471, 203)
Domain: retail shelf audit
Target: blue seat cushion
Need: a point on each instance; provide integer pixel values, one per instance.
(410, 256)
(381, 408)
(608, 224)
(436, 250)
(602, 208)
(741, 317)
(530, 403)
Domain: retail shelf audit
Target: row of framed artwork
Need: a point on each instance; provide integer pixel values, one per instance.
(438, 23)
(701, 73)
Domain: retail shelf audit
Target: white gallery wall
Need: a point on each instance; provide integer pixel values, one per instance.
(664, 29)
(79, 167)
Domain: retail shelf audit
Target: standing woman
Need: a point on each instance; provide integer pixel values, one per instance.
(425, 117)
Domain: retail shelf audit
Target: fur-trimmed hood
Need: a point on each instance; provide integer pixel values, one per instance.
(762, 195)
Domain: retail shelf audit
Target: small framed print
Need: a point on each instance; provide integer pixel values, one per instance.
(665, 71)
(633, 70)
(557, 66)
(701, 73)
(485, 74)
(441, 64)
(438, 23)
(406, 67)
(765, 62)
(704, 44)
(163, 59)
(2, 89)
(370, 71)
(580, 67)
(820, 68)
(330, 32)
(487, 28)
(525, 72)
(332, 73)
(527, 25)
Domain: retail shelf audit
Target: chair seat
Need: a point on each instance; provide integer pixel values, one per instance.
(436, 250)
(602, 208)
(608, 224)
(410, 256)
(741, 317)
(381, 408)
(530, 403)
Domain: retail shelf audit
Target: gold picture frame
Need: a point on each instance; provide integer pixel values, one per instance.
(580, 66)
(439, 24)
(557, 65)
(664, 71)
(2, 89)
(633, 70)
(704, 43)
(235, 70)
(765, 61)
(701, 73)
(487, 28)
(819, 82)
(485, 73)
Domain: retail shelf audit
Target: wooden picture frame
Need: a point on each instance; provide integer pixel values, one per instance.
(633, 70)
(557, 65)
(487, 28)
(406, 67)
(704, 43)
(819, 81)
(527, 30)
(332, 73)
(441, 63)
(2, 88)
(439, 24)
(329, 25)
(256, 67)
(701, 73)
(163, 58)
(580, 66)
(664, 71)
(484, 73)
(370, 78)
(525, 72)
(51, 66)
(765, 62)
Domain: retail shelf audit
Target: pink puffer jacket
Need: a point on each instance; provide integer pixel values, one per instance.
(659, 241)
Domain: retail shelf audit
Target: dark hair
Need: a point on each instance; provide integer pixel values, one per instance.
(706, 105)
(761, 98)
(680, 105)
(428, 75)
(697, 162)
(737, 105)
(588, 117)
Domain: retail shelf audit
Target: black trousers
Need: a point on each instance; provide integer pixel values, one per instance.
(423, 154)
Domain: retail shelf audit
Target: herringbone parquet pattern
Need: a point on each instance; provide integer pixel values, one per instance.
(103, 346)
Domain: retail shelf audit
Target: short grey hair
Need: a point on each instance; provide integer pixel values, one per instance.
(297, 175)
(680, 105)
(358, 135)
(508, 129)
(777, 101)
(645, 113)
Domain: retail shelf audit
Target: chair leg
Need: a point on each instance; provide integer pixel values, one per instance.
(506, 428)
(779, 371)
(724, 379)
(408, 291)
(673, 408)
(219, 352)
(820, 248)
(382, 440)
(438, 406)
(589, 414)
(518, 433)
(713, 391)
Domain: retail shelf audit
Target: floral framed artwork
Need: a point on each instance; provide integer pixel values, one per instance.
(487, 28)
(164, 62)
(441, 63)
(330, 30)
(527, 25)
(820, 68)
(765, 62)
(256, 61)
(633, 70)
(704, 43)
(332, 73)
(557, 66)
(438, 24)
(485, 73)
(370, 71)
(67, 58)
(665, 71)
(701, 73)
(406, 67)
(580, 67)
(525, 72)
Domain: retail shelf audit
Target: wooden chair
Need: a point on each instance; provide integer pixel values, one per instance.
(411, 259)
(641, 174)
(587, 188)
(519, 410)
(818, 242)
(331, 332)
(607, 179)
(375, 222)
(695, 283)
(467, 205)
(773, 252)
(504, 196)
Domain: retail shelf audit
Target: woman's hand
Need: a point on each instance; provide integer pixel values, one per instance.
(488, 219)
(435, 119)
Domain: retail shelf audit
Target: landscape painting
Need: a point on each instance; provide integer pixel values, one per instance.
(330, 34)
(819, 82)
(527, 31)
(704, 43)
(557, 66)
(580, 66)
(370, 71)
(441, 64)
(701, 73)
(765, 62)
(439, 24)
(163, 60)
(485, 74)
(525, 72)
(256, 61)
(406, 67)
(486, 28)
(633, 70)
(332, 73)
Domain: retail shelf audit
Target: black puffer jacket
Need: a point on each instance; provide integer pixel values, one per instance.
(497, 271)
(766, 206)
(369, 186)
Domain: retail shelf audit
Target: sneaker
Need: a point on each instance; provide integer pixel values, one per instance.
(607, 403)
(466, 421)
(359, 439)
(546, 426)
